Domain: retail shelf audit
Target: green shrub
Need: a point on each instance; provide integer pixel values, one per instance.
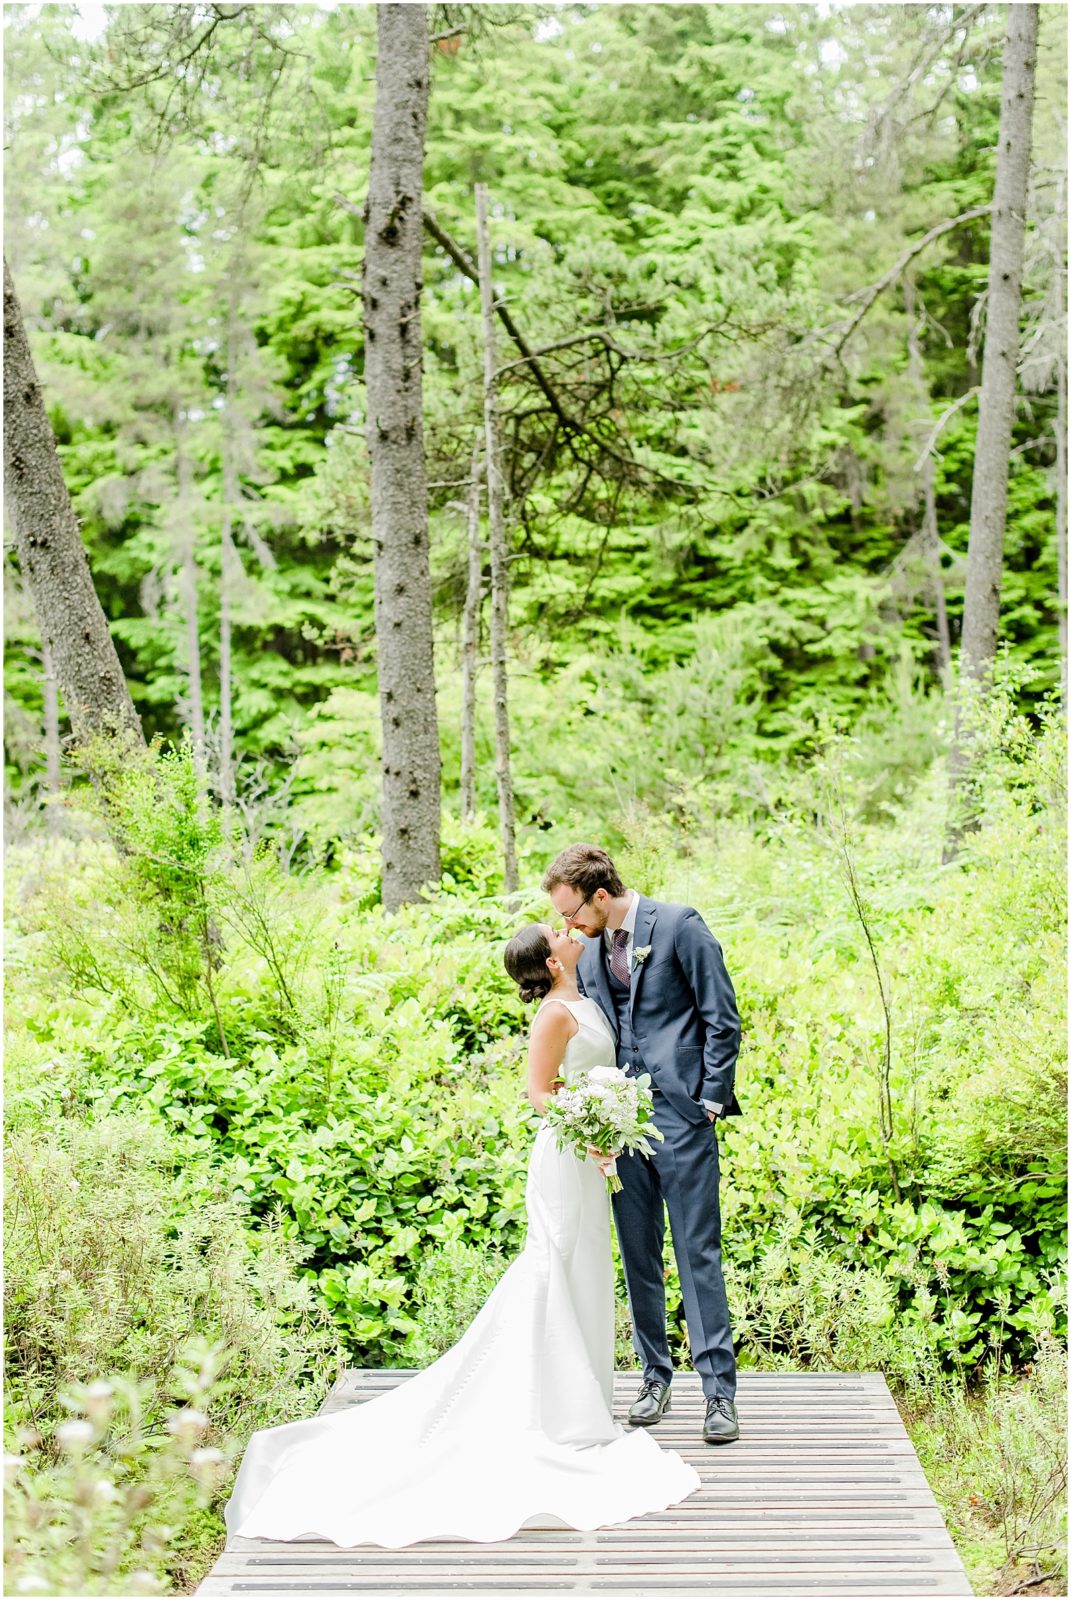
(996, 1458)
(371, 1080)
(451, 1285)
(114, 1501)
(131, 1264)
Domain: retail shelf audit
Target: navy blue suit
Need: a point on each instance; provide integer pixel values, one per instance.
(677, 1020)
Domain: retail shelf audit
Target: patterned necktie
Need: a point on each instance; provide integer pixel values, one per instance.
(618, 961)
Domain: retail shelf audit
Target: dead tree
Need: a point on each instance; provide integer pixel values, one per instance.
(930, 539)
(228, 567)
(499, 567)
(1060, 426)
(470, 639)
(188, 578)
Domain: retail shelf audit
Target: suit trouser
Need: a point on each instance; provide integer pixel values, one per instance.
(681, 1178)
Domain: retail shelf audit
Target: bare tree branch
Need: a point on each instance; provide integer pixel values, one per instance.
(938, 427)
(465, 264)
(170, 67)
(869, 295)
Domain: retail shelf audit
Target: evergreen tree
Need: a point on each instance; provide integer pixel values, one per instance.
(738, 253)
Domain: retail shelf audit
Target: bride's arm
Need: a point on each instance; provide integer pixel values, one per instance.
(552, 1029)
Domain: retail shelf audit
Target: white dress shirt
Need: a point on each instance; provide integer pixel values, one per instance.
(628, 923)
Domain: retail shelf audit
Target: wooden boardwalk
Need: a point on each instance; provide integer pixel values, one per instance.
(822, 1495)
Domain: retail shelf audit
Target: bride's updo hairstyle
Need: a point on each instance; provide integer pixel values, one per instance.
(526, 958)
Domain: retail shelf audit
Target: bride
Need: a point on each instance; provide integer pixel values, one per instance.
(514, 1425)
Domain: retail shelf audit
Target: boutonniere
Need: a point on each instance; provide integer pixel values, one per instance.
(640, 954)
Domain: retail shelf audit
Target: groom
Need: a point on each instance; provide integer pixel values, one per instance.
(658, 973)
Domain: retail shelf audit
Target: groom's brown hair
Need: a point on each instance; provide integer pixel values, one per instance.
(584, 867)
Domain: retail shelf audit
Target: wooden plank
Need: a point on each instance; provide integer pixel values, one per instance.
(822, 1495)
(839, 1444)
(897, 1582)
(855, 1587)
(698, 1569)
(777, 1524)
(695, 1567)
(837, 1551)
(635, 1535)
(359, 1376)
(800, 1417)
(845, 1389)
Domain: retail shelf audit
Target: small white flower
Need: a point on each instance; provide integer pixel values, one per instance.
(74, 1436)
(606, 1075)
(641, 952)
(143, 1582)
(99, 1397)
(207, 1466)
(12, 1466)
(186, 1423)
(74, 1186)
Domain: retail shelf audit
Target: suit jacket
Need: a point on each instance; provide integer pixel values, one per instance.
(681, 1003)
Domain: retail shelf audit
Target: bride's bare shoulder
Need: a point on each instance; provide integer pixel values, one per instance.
(553, 1019)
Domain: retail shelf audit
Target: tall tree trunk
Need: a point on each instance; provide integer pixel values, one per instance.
(1061, 514)
(393, 364)
(188, 587)
(1000, 358)
(996, 401)
(50, 549)
(933, 566)
(470, 639)
(227, 571)
(499, 568)
(226, 589)
(931, 542)
(52, 733)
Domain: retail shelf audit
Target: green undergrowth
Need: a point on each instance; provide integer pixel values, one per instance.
(267, 1117)
(995, 1455)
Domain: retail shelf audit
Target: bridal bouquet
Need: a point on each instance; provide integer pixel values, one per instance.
(604, 1110)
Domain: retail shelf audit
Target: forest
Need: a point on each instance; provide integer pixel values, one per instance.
(637, 423)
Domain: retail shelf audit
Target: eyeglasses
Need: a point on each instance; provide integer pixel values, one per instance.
(570, 916)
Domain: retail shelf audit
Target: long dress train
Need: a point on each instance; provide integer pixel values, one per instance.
(513, 1426)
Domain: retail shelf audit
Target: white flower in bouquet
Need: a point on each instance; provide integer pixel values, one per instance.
(604, 1110)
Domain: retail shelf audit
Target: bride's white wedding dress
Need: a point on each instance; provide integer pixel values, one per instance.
(512, 1426)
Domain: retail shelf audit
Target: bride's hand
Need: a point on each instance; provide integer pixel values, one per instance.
(602, 1160)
